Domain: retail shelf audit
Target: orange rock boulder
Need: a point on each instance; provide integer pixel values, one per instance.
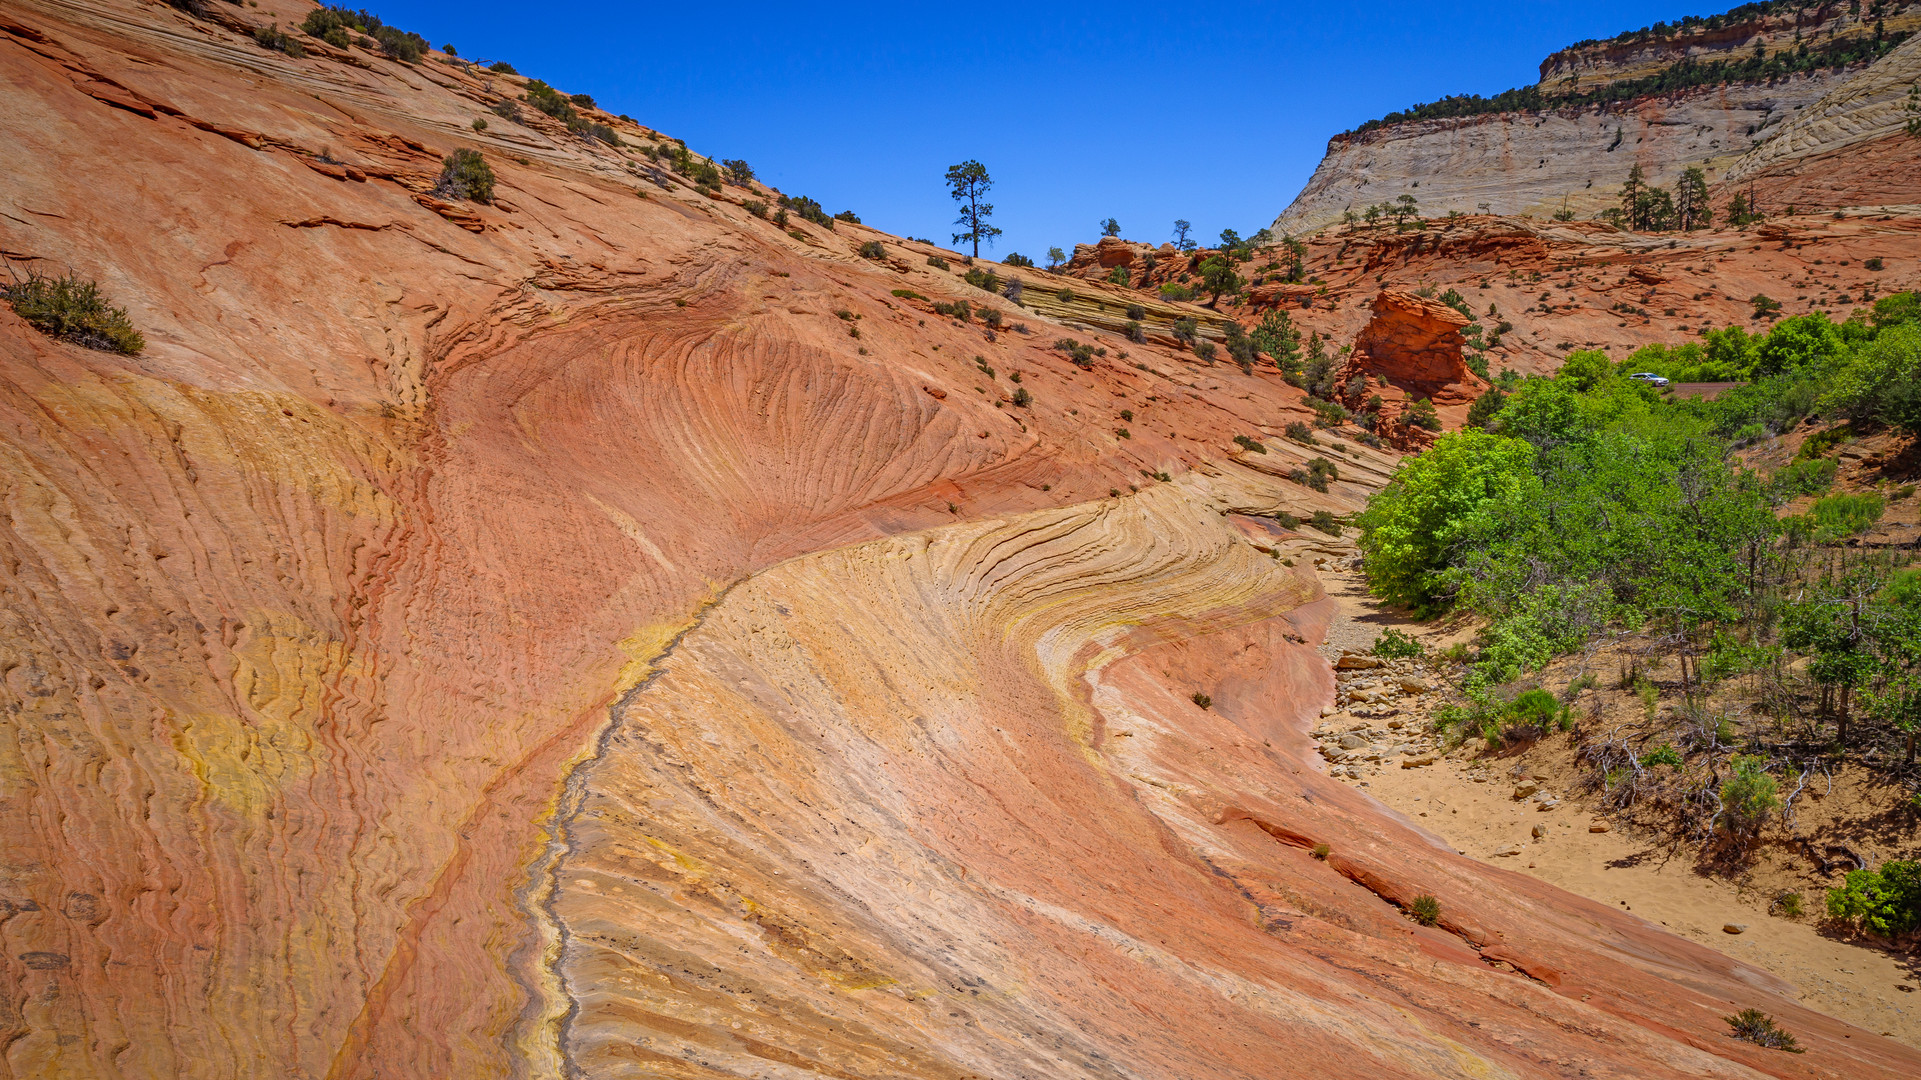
(1416, 344)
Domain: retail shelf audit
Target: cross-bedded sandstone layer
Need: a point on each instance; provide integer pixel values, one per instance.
(467, 639)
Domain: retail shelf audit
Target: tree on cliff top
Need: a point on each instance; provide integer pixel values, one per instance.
(1181, 227)
(967, 183)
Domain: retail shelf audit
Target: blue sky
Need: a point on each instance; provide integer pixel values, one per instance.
(1216, 113)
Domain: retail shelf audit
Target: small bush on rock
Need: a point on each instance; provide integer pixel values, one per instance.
(73, 310)
(1757, 1027)
(1425, 909)
(464, 174)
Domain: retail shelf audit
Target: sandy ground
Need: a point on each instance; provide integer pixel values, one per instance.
(1470, 805)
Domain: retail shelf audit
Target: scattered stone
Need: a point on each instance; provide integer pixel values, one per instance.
(1352, 741)
(1525, 788)
(1540, 831)
(1412, 685)
(1735, 928)
(1511, 849)
(1547, 804)
(1599, 826)
(1353, 661)
(1417, 761)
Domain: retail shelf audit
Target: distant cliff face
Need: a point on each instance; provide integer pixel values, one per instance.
(1536, 163)
(1717, 91)
(1594, 64)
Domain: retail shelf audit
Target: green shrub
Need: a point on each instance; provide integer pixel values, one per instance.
(1748, 796)
(908, 294)
(1664, 754)
(848, 216)
(1415, 525)
(1300, 433)
(550, 101)
(1136, 312)
(959, 309)
(1841, 515)
(1320, 851)
(1176, 293)
(464, 174)
(1421, 414)
(1015, 258)
(1757, 1027)
(937, 262)
(1326, 522)
(1804, 476)
(1082, 355)
(73, 310)
(585, 101)
(1874, 264)
(739, 173)
(1885, 901)
(759, 210)
(1022, 398)
(1425, 909)
(1249, 445)
(873, 249)
(1318, 473)
(1203, 700)
(808, 209)
(985, 280)
(334, 25)
(1204, 350)
(1135, 332)
(1396, 645)
(1328, 413)
(1185, 330)
(272, 37)
(502, 67)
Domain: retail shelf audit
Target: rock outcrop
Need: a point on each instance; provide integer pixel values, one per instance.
(1570, 156)
(1416, 343)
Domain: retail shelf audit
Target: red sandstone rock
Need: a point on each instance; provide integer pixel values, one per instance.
(1416, 344)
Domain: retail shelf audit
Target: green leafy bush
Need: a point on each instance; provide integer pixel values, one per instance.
(1022, 398)
(1300, 433)
(1885, 901)
(937, 262)
(1015, 258)
(1250, 445)
(1396, 645)
(873, 249)
(1325, 521)
(1413, 528)
(73, 310)
(502, 67)
(464, 174)
(1421, 414)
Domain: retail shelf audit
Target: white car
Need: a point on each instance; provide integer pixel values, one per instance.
(1649, 377)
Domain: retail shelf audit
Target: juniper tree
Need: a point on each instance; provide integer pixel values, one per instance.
(967, 183)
